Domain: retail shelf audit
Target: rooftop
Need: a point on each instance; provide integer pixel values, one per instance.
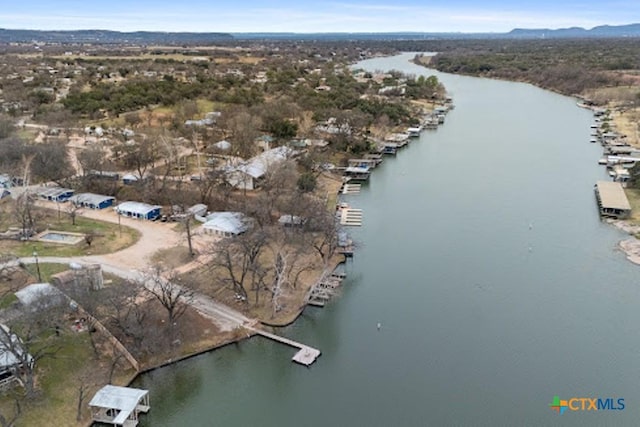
(136, 207)
(90, 198)
(612, 195)
(227, 222)
(124, 399)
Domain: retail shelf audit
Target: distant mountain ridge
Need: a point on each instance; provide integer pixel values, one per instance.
(192, 38)
(108, 37)
(630, 30)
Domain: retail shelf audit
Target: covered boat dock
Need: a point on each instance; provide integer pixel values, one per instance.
(119, 406)
(612, 200)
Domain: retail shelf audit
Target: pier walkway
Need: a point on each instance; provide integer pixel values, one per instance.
(305, 356)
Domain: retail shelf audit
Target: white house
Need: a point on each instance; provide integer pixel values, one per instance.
(138, 210)
(226, 224)
(13, 356)
(248, 174)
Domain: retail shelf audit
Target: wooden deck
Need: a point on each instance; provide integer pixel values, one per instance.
(349, 216)
(350, 188)
(305, 356)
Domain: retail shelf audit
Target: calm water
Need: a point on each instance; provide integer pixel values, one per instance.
(495, 282)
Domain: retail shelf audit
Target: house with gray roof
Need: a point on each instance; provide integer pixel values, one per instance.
(55, 194)
(247, 175)
(138, 210)
(226, 224)
(92, 201)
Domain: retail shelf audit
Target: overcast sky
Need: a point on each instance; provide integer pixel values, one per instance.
(315, 16)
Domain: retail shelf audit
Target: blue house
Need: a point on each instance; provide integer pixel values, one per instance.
(129, 179)
(138, 210)
(55, 194)
(92, 201)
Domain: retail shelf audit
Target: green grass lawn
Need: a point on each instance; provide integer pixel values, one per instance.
(46, 271)
(109, 238)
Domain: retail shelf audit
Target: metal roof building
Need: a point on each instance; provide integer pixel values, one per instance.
(612, 200)
(138, 210)
(245, 175)
(55, 194)
(226, 224)
(40, 295)
(119, 406)
(93, 201)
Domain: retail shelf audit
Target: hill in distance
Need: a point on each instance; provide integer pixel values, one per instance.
(192, 38)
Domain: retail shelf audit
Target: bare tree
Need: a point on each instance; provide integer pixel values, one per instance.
(243, 128)
(72, 210)
(29, 338)
(24, 213)
(139, 156)
(127, 315)
(167, 290)
(83, 385)
(236, 261)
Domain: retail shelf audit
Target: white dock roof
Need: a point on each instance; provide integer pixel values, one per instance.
(612, 195)
(124, 399)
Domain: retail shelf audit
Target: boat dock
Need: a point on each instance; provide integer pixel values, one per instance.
(324, 289)
(349, 216)
(305, 356)
(350, 188)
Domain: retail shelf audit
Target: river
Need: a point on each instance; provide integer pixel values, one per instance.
(495, 283)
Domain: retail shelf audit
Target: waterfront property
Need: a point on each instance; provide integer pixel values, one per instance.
(390, 148)
(365, 163)
(92, 201)
(376, 157)
(138, 210)
(248, 175)
(55, 194)
(349, 216)
(305, 356)
(357, 173)
(612, 201)
(119, 406)
(414, 132)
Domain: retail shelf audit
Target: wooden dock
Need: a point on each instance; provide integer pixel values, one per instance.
(324, 289)
(352, 217)
(351, 188)
(305, 356)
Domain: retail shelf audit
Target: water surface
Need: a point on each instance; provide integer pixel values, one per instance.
(484, 259)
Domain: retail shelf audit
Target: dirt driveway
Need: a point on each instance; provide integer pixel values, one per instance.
(154, 236)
